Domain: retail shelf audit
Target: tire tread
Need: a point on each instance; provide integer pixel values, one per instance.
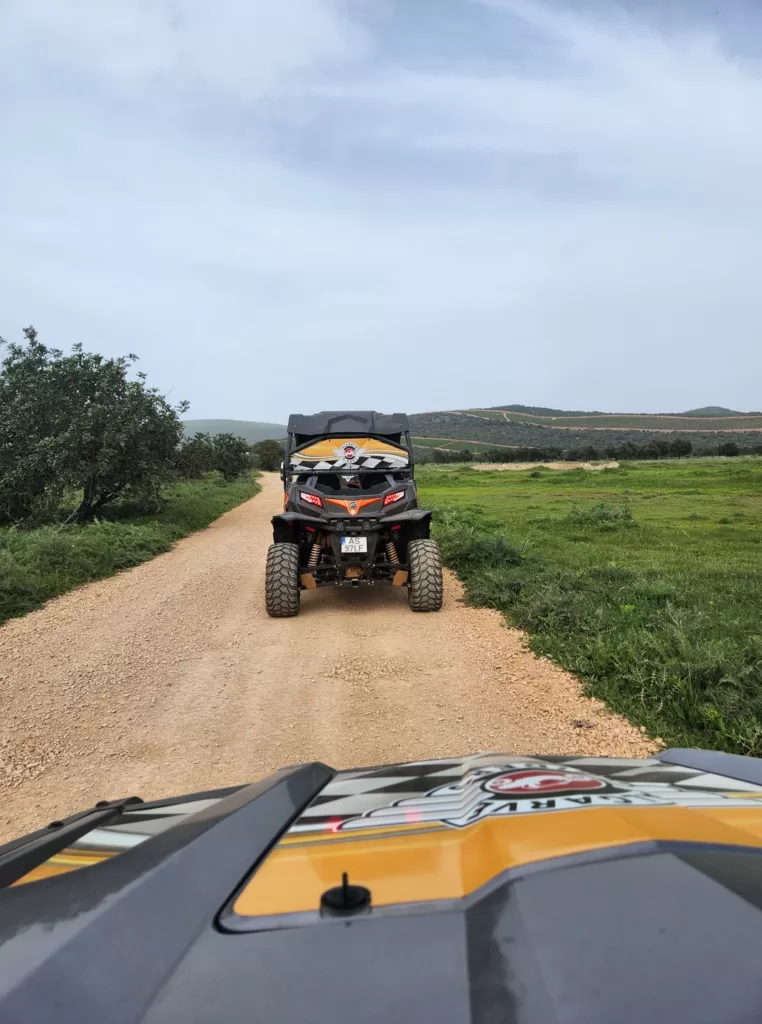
(426, 589)
(282, 597)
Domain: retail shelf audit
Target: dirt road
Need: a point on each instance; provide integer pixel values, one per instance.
(170, 678)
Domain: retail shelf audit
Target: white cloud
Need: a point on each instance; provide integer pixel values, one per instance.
(270, 196)
(180, 47)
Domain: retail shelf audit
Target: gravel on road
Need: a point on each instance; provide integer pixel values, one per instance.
(170, 678)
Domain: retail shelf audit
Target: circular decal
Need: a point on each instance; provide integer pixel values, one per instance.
(541, 780)
(353, 504)
(349, 451)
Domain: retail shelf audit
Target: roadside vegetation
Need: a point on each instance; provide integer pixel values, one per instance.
(644, 580)
(96, 472)
(36, 565)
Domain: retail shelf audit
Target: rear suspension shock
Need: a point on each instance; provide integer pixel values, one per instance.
(391, 552)
(314, 554)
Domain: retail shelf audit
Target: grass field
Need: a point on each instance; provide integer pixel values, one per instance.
(36, 565)
(644, 580)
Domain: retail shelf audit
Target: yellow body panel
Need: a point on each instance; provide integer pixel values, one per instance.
(65, 861)
(326, 449)
(434, 862)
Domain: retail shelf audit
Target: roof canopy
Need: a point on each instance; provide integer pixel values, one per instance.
(347, 424)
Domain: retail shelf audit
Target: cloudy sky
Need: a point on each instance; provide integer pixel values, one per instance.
(407, 204)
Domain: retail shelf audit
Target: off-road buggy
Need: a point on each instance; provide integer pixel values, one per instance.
(350, 513)
(481, 890)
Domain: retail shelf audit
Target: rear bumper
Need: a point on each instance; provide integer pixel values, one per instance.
(348, 524)
(356, 568)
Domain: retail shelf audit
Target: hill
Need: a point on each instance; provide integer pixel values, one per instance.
(535, 426)
(715, 410)
(247, 429)
(533, 410)
(712, 418)
(532, 426)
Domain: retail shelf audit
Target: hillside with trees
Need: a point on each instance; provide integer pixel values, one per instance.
(492, 428)
(249, 430)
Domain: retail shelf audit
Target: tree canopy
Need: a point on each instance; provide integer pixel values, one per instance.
(85, 425)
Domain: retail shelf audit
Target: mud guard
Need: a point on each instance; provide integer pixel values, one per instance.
(284, 523)
(420, 517)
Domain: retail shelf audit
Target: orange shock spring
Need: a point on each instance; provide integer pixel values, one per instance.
(314, 555)
(391, 552)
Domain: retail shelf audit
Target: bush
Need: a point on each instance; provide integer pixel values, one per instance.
(231, 455)
(77, 423)
(601, 514)
(195, 456)
(268, 455)
(203, 453)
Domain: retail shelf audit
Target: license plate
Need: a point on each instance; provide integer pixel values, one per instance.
(354, 545)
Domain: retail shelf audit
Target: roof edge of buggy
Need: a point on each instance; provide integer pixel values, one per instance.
(321, 424)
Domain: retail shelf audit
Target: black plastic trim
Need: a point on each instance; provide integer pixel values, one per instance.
(131, 919)
(23, 855)
(339, 422)
(188, 798)
(715, 762)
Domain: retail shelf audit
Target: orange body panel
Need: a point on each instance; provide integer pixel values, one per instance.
(406, 865)
(347, 503)
(67, 860)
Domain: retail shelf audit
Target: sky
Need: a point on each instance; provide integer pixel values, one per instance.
(405, 205)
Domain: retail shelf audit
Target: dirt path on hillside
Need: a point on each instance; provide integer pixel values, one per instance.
(170, 678)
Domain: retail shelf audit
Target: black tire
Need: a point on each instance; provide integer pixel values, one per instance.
(282, 581)
(425, 588)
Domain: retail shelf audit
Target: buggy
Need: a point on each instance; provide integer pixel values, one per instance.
(476, 890)
(350, 513)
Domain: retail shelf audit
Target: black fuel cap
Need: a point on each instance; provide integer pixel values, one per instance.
(345, 898)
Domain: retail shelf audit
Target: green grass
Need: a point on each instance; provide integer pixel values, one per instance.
(36, 565)
(644, 580)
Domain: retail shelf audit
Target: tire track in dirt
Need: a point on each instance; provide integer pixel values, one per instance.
(170, 678)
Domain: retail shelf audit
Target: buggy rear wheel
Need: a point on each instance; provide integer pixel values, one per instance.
(426, 585)
(282, 581)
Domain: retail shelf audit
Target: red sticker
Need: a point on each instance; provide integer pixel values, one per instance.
(541, 780)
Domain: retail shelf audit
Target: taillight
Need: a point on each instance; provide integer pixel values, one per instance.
(311, 499)
(395, 496)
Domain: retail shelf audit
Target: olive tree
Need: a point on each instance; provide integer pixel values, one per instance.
(79, 423)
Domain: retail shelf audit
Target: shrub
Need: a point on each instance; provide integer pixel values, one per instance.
(601, 514)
